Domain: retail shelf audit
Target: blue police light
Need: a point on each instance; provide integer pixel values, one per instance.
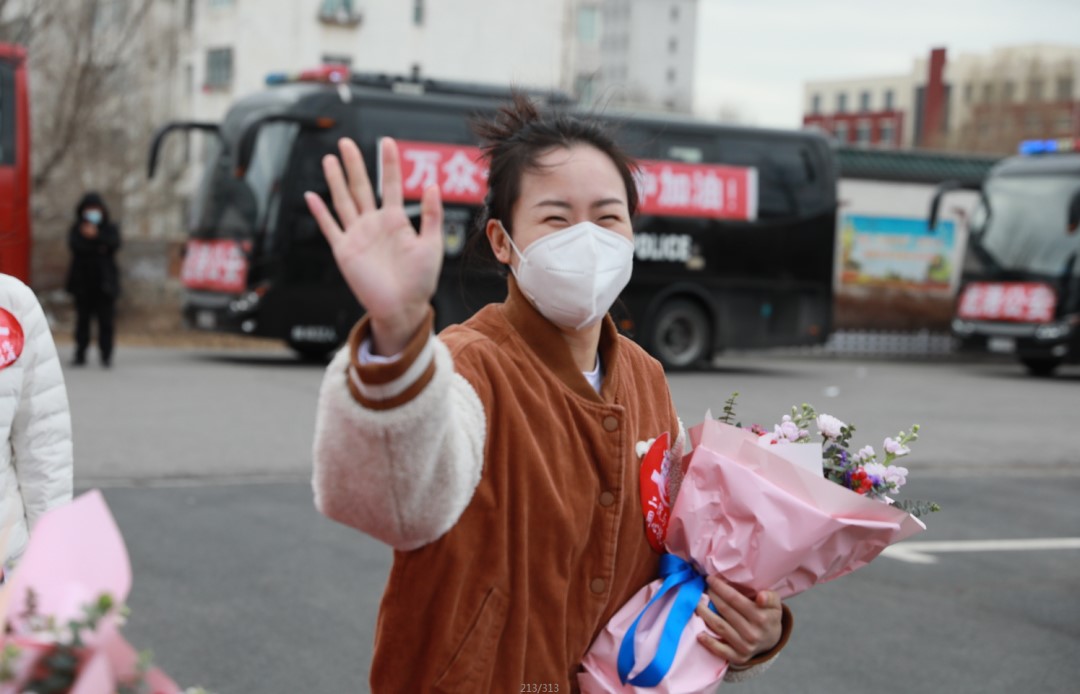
(1028, 147)
(276, 78)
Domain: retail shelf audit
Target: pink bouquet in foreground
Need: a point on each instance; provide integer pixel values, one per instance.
(764, 510)
(63, 610)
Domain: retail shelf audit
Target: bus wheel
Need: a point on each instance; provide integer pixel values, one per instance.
(1042, 366)
(681, 335)
(313, 352)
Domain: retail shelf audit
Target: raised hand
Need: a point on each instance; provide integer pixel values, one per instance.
(392, 270)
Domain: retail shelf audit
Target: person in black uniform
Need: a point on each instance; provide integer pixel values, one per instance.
(93, 279)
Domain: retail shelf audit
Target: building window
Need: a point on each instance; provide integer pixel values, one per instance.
(888, 99)
(988, 93)
(842, 132)
(337, 59)
(969, 92)
(584, 88)
(219, 68)
(1032, 123)
(418, 12)
(862, 133)
(1008, 92)
(588, 24)
(671, 75)
(189, 14)
(887, 136)
(841, 103)
(673, 45)
(674, 13)
(1035, 90)
(864, 101)
(338, 12)
(815, 104)
(1064, 89)
(1064, 122)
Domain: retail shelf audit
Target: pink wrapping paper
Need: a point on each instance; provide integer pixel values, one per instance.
(760, 522)
(75, 554)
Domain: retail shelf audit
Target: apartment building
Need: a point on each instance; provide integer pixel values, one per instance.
(986, 103)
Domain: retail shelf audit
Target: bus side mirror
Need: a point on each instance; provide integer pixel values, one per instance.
(1074, 214)
(935, 204)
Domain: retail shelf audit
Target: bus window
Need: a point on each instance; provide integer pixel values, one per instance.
(429, 125)
(788, 181)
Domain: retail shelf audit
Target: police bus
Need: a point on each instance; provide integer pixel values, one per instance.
(734, 237)
(1020, 284)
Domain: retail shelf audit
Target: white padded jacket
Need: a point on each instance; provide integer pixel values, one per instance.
(36, 467)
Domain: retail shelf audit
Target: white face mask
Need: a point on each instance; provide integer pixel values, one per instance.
(574, 275)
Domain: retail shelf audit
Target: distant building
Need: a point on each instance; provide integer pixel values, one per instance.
(647, 55)
(635, 53)
(976, 103)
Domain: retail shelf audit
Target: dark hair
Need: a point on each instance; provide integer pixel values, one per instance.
(520, 134)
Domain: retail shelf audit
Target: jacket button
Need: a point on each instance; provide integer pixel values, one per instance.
(611, 423)
(597, 585)
(607, 499)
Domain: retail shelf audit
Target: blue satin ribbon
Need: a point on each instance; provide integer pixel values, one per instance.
(680, 576)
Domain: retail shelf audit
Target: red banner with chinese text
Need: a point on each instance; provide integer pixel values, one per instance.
(665, 188)
(219, 265)
(1028, 302)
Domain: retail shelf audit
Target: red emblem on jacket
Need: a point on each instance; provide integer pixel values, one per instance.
(11, 339)
(655, 503)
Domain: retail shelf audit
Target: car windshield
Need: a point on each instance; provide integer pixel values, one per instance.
(1025, 227)
(239, 208)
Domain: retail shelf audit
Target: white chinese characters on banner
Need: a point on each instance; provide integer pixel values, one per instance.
(1029, 302)
(215, 265)
(664, 188)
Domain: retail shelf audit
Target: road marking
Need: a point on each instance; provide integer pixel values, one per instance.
(923, 552)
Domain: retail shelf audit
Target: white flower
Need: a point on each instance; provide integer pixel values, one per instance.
(865, 453)
(829, 426)
(896, 474)
(787, 431)
(896, 448)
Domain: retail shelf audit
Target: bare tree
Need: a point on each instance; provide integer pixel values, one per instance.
(103, 75)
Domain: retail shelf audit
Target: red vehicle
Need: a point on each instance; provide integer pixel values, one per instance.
(14, 163)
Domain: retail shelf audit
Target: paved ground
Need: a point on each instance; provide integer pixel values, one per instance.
(241, 586)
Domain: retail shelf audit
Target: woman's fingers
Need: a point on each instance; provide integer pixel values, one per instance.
(327, 224)
(339, 190)
(359, 183)
(431, 215)
(734, 607)
(391, 173)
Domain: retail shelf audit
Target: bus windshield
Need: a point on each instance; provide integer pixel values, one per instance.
(1024, 229)
(228, 207)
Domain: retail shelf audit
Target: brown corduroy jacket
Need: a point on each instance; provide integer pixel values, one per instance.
(506, 586)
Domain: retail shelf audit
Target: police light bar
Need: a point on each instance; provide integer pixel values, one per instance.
(1064, 144)
(329, 74)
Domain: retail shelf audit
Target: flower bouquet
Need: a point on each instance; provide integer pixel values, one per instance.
(765, 510)
(63, 610)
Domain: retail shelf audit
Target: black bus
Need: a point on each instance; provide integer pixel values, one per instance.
(734, 239)
(1020, 282)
